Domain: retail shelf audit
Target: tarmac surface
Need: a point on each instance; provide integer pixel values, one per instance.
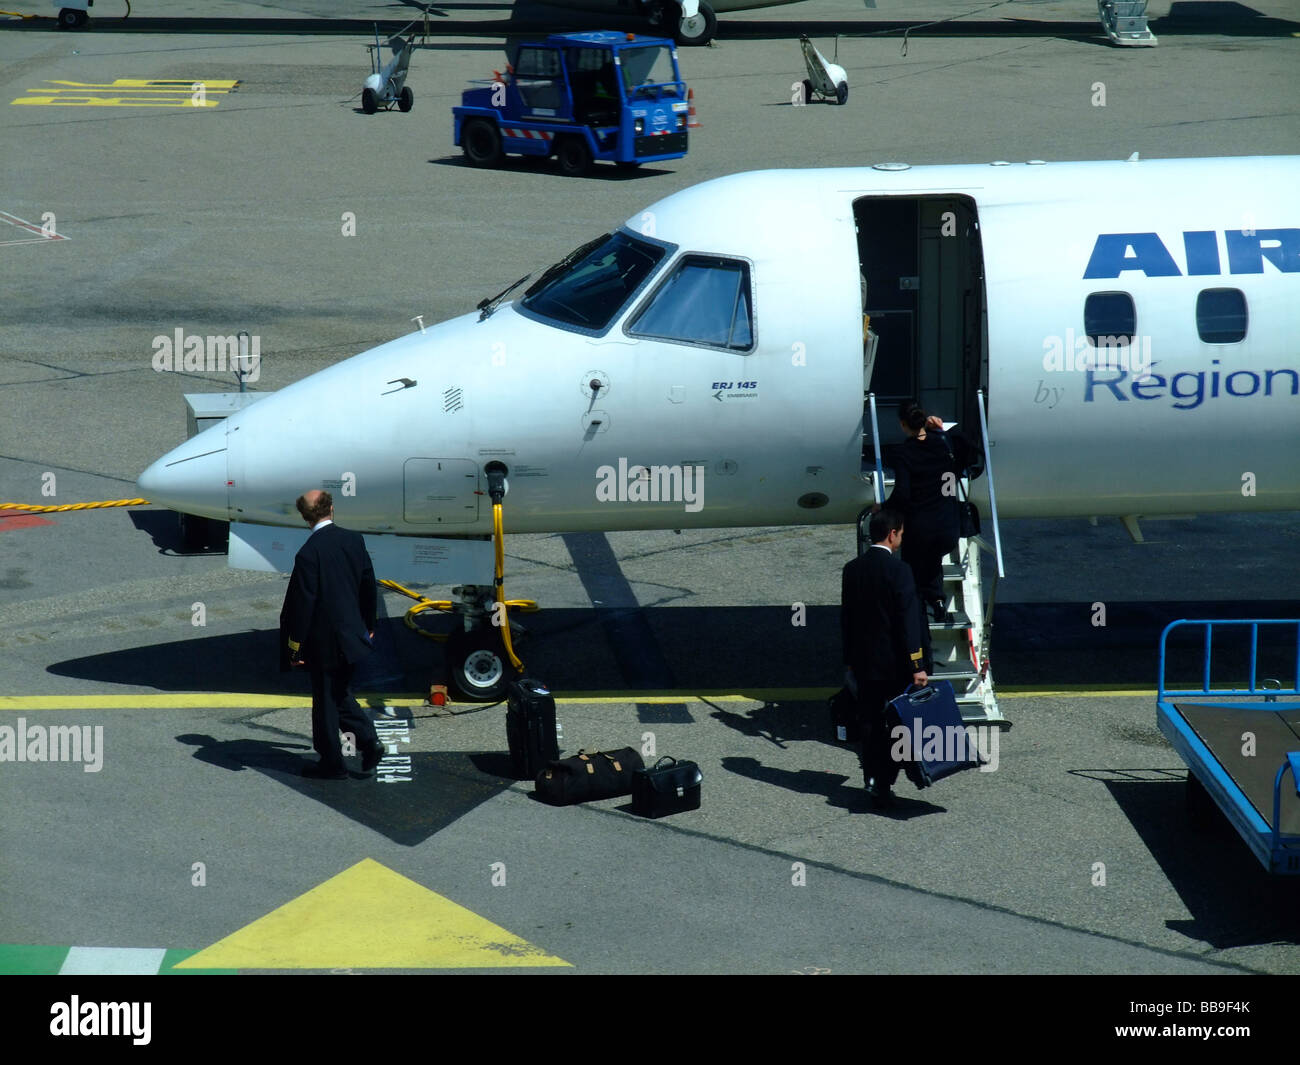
(195, 838)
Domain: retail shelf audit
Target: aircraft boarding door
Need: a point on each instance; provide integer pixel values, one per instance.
(922, 278)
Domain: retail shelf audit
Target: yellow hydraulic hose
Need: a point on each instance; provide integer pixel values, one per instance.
(32, 508)
(499, 539)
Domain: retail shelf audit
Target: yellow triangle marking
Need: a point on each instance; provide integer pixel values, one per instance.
(339, 925)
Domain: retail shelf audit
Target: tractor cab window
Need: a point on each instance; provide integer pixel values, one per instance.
(594, 82)
(588, 287)
(540, 80)
(645, 70)
(704, 301)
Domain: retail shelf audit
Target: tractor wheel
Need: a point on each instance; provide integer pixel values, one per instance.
(574, 156)
(406, 100)
(480, 140)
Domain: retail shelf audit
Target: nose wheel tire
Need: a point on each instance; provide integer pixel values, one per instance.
(697, 30)
(406, 100)
(480, 670)
(369, 101)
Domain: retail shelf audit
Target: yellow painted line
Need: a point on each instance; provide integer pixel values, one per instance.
(111, 101)
(128, 92)
(321, 930)
(260, 701)
(165, 84)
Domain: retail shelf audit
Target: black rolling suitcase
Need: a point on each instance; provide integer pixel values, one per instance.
(936, 743)
(530, 728)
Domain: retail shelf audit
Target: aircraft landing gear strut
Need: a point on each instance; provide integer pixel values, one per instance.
(479, 665)
(481, 656)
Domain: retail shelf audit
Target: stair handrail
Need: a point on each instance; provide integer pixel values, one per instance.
(993, 497)
(879, 483)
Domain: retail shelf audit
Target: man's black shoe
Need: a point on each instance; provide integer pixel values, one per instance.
(322, 771)
(371, 758)
(881, 795)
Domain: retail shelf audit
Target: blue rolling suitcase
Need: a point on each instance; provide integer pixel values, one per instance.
(935, 743)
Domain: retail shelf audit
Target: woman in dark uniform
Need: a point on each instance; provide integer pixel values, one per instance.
(927, 466)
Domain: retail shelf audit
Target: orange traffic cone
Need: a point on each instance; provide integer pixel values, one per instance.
(692, 122)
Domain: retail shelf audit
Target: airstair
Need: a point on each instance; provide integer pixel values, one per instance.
(960, 645)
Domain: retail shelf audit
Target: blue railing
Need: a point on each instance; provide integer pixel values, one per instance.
(1254, 689)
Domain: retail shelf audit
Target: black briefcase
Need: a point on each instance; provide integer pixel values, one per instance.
(530, 728)
(666, 789)
(587, 776)
(935, 743)
(844, 716)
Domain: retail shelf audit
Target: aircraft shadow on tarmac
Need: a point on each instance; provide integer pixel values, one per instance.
(1233, 901)
(663, 649)
(435, 789)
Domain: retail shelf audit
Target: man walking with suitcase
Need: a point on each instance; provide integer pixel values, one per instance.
(328, 624)
(880, 621)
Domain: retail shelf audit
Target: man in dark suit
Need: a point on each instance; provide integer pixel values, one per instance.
(327, 624)
(880, 620)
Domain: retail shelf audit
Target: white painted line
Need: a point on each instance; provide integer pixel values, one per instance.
(112, 961)
(40, 237)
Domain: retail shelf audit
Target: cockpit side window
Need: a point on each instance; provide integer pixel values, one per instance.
(706, 300)
(590, 286)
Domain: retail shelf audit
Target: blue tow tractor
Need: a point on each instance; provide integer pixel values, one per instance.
(580, 97)
(1241, 744)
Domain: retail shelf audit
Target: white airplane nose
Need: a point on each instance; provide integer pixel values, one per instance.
(191, 478)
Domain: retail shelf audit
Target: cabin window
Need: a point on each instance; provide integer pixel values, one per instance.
(1221, 315)
(588, 287)
(1109, 319)
(539, 80)
(704, 301)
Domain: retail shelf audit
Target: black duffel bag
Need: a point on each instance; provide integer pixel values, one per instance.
(586, 776)
(667, 788)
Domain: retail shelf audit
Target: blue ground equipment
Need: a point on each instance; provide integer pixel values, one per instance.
(1241, 745)
(580, 97)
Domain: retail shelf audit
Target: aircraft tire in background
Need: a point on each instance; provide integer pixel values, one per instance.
(406, 100)
(369, 101)
(573, 155)
(72, 19)
(478, 665)
(480, 140)
(693, 31)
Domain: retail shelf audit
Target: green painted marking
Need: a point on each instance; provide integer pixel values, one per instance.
(19, 960)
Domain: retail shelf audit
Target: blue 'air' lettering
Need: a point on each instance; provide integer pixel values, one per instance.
(1187, 389)
(1113, 253)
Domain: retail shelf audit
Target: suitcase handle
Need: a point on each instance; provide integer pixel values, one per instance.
(664, 759)
(921, 695)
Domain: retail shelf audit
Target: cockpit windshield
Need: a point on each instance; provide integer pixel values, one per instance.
(588, 287)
